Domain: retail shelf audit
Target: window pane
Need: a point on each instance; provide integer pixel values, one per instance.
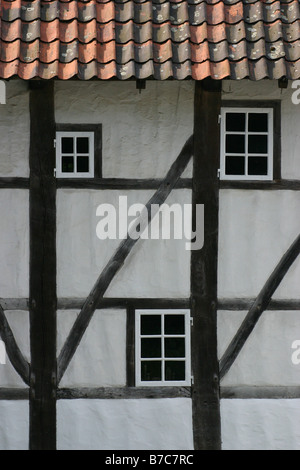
(174, 370)
(174, 324)
(151, 370)
(174, 347)
(258, 166)
(235, 143)
(67, 165)
(235, 166)
(235, 121)
(150, 324)
(82, 145)
(67, 145)
(83, 164)
(258, 144)
(258, 122)
(151, 347)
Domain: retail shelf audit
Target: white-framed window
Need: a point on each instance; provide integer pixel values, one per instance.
(162, 347)
(246, 143)
(74, 154)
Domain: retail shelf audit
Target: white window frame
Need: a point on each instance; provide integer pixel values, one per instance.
(186, 336)
(59, 155)
(269, 155)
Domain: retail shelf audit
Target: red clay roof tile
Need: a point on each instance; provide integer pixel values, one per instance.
(143, 38)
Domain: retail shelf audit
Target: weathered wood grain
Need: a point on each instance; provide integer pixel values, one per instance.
(205, 390)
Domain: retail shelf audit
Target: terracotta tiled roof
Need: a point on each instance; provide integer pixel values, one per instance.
(143, 38)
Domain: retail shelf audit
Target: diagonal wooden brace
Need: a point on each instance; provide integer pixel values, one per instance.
(259, 306)
(15, 356)
(117, 261)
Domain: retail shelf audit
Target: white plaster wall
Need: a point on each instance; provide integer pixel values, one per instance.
(100, 360)
(256, 229)
(14, 425)
(260, 424)
(14, 243)
(290, 116)
(142, 132)
(81, 256)
(19, 323)
(15, 128)
(266, 358)
(125, 424)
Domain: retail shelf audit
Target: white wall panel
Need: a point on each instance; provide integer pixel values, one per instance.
(260, 424)
(14, 243)
(15, 128)
(100, 359)
(19, 324)
(142, 132)
(154, 268)
(256, 229)
(125, 424)
(266, 358)
(14, 425)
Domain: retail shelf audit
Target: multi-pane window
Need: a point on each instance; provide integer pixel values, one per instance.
(163, 347)
(75, 154)
(246, 144)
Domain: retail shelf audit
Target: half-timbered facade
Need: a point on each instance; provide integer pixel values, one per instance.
(120, 342)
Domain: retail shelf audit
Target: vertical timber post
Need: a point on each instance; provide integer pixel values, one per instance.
(205, 389)
(42, 302)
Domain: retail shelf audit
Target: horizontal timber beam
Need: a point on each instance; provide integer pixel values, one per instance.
(265, 392)
(280, 185)
(118, 183)
(140, 303)
(123, 392)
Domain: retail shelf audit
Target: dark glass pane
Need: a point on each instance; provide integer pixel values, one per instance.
(258, 144)
(174, 347)
(67, 164)
(83, 164)
(235, 121)
(67, 145)
(258, 122)
(174, 324)
(151, 347)
(150, 324)
(151, 370)
(174, 370)
(257, 166)
(235, 166)
(235, 143)
(82, 145)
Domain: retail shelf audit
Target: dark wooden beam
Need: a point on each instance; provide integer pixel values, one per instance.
(117, 261)
(130, 347)
(123, 393)
(276, 185)
(259, 306)
(261, 392)
(14, 183)
(42, 301)
(205, 390)
(118, 183)
(14, 393)
(246, 304)
(15, 356)
(125, 302)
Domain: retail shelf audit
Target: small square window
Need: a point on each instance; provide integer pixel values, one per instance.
(246, 143)
(162, 347)
(74, 154)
